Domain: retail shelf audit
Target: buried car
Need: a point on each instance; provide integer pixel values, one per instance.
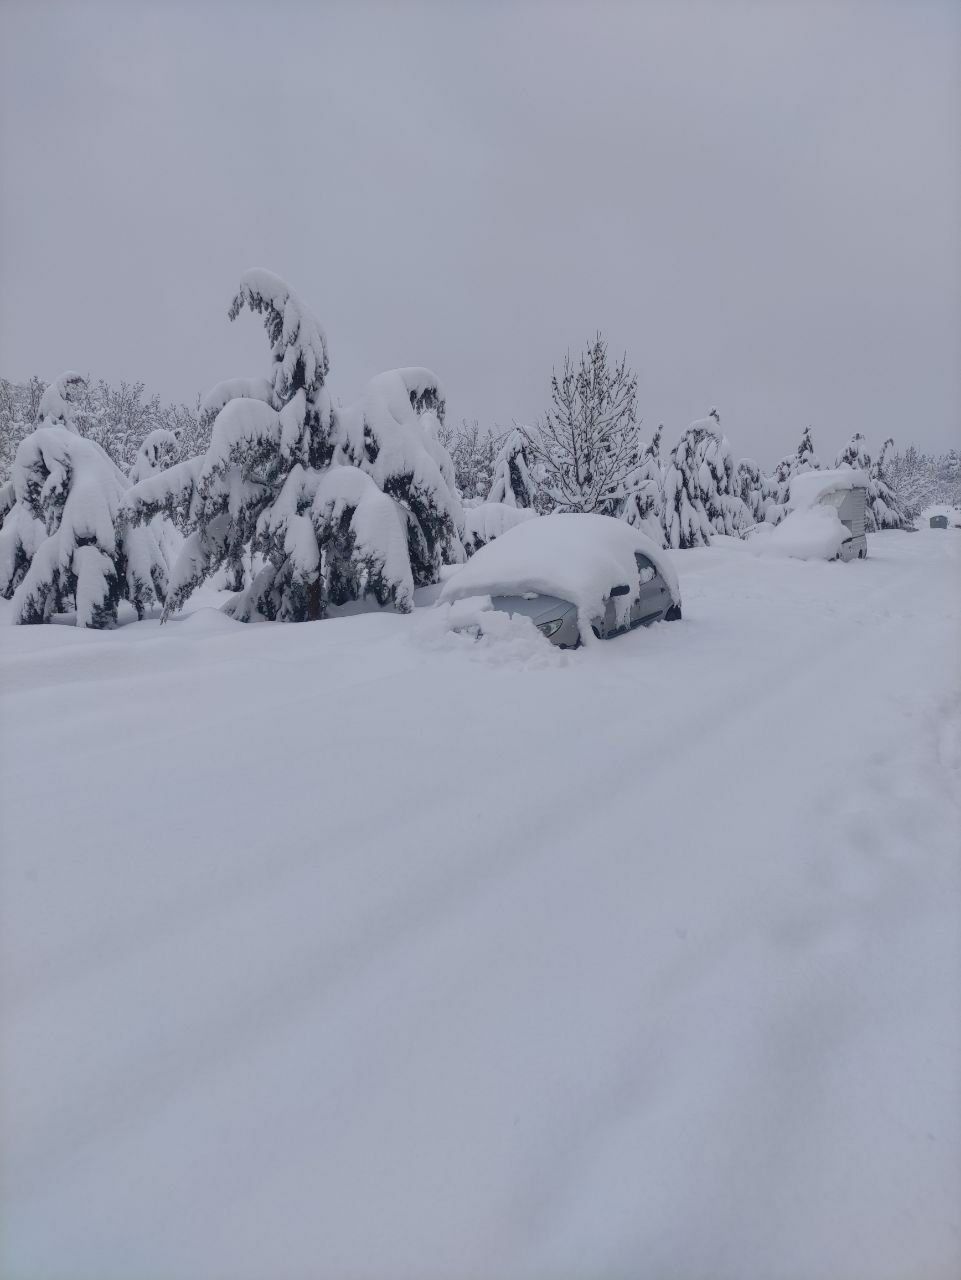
(573, 576)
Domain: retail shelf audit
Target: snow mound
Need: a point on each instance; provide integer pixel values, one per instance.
(814, 533)
(576, 557)
(475, 630)
(808, 488)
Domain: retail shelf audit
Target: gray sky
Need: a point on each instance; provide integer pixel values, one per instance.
(760, 203)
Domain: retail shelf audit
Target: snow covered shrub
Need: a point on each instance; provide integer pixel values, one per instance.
(586, 443)
(644, 504)
(683, 516)
(513, 482)
(720, 499)
(65, 544)
(337, 503)
(886, 510)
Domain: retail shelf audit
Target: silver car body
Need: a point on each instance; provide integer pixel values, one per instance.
(557, 620)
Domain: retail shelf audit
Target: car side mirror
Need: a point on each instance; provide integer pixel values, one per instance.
(621, 590)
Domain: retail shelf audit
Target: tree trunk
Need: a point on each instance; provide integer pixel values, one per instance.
(313, 600)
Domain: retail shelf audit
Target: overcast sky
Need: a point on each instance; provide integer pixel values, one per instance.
(760, 203)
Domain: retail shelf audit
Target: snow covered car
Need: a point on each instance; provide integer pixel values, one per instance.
(572, 575)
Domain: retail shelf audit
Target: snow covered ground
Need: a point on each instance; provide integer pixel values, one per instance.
(361, 949)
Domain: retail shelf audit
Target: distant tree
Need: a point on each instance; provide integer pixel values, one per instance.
(807, 459)
(513, 482)
(586, 442)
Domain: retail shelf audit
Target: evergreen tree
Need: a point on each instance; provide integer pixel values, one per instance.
(753, 488)
(683, 516)
(337, 503)
(644, 505)
(807, 459)
(886, 511)
(586, 443)
(65, 544)
(720, 499)
(513, 483)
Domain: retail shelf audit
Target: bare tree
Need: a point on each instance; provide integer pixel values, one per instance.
(586, 444)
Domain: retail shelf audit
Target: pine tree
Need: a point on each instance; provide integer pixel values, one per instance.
(513, 483)
(886, 511)
(753, 488)
(683, 517)
(807, 459)
(66, 544)
(644, 505)
(337, 503)
(720, 500)
(586, 442)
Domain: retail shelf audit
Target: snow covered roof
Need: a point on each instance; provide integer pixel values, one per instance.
(576, 557)
(809, 487)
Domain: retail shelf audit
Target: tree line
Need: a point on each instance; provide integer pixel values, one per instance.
(301, 505)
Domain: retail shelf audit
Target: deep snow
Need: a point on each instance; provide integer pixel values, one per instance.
(362, 949)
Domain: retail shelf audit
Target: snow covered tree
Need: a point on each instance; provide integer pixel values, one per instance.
(644, 504)
(886, 511)
(807, 459)
(65, 544)
(473, 453)
(337, 503)
(513, 482)
(779, 486)
(720, 499)
(753, 488)
(854, 454)
(586, 443)
(683, 516)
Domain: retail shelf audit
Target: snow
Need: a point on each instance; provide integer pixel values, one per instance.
(577, 557)
(358, 948)
(811, 533)
(486, 521)
(809, 487)
(953, 514)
